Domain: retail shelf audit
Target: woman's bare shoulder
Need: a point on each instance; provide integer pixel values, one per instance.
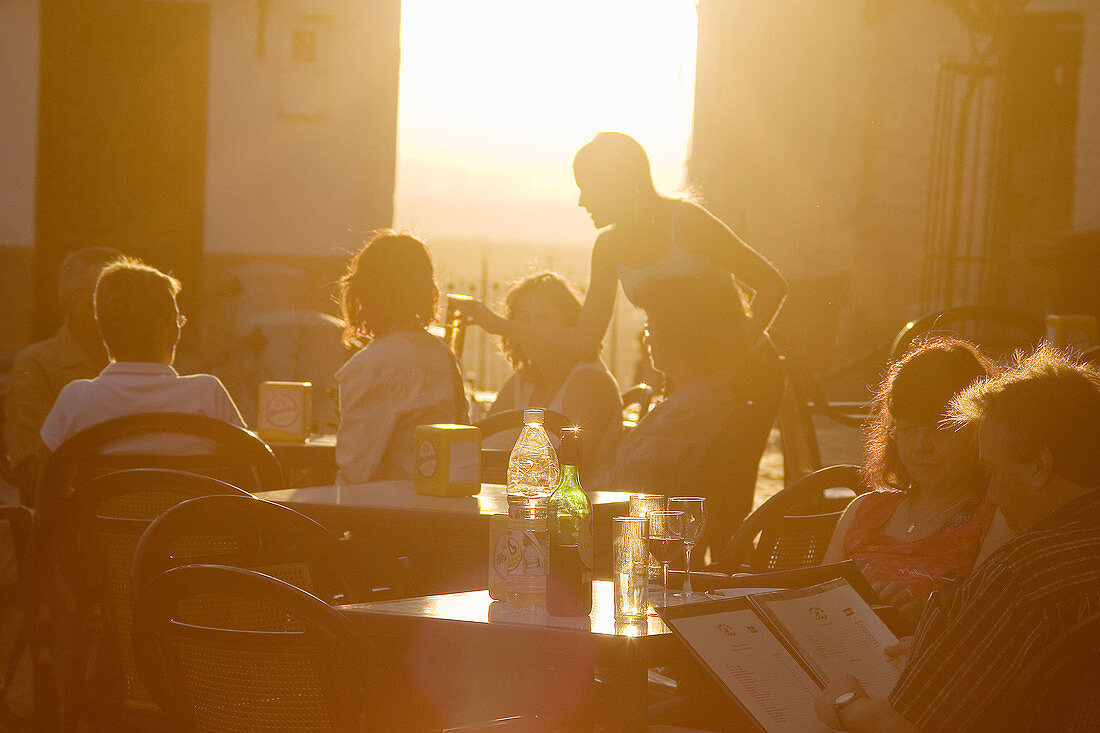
(693, 214)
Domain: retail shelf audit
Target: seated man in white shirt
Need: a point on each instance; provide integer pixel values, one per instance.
(135, 306)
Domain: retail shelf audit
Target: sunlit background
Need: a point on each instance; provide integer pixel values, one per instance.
(495, 98)
(497, 95)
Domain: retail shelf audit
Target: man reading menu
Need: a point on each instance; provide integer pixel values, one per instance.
(1039, 436)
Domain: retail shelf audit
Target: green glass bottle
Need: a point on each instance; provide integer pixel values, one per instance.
(569, 521)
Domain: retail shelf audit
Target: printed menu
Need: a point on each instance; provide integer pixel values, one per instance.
(775, 651)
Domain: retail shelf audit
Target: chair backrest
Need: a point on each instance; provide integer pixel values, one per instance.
(636, 404)
(792, 528)
(999, 331)
(96, 536)
(298, 664)
(797, 433)
(802, 400)
(246, 532)
(494, 465)
(1059, 689)
(553, 421)
(230, 453)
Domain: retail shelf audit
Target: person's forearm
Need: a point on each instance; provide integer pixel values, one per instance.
(765, 308)
(572, 340)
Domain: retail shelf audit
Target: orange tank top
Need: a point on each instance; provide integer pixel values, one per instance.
(924, 564)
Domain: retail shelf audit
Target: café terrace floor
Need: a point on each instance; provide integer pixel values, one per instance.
(837, 443)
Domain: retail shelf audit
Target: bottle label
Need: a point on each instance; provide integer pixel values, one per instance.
(525, 560)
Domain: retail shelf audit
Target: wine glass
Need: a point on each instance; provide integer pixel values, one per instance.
(695, 523)
(666, 537)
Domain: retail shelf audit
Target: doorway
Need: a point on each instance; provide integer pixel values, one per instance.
(121, 138)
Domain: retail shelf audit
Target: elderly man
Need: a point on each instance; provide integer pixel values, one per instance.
(1039, 435)
(135, 306)
(40, 370)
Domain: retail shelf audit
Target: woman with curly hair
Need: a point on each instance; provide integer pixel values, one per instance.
(927, 520)
(546, 376)
(403, 376)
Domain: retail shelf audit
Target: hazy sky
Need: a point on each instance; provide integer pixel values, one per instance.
(497, 95)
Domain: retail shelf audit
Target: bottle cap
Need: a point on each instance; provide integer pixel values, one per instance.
(533, 415)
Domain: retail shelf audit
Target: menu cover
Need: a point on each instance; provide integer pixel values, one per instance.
(774, 651)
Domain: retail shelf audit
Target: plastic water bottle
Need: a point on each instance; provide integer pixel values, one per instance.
(533, 474)
(533, 470)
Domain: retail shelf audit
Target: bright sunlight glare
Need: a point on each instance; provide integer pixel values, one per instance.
(497, 95)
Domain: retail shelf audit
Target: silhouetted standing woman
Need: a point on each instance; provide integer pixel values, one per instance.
(646, 237)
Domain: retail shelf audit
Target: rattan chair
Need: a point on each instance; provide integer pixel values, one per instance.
(999, 331)
(246, 532)
(226, 452)
(792, 529)
(802, 400)
(97, 534)
(236, 650)
(1059, 690)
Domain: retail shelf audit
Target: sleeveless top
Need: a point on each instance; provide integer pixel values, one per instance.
(924, 564)
(676, 262)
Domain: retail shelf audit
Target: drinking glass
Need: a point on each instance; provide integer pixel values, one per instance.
(695, 523)
(628, 565)
(640, 505)
(454, 323)
(666, 538)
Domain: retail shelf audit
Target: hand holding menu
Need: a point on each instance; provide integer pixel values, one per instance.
(775, 651)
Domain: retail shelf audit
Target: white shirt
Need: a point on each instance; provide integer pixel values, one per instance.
(390, 387)
(130, 388)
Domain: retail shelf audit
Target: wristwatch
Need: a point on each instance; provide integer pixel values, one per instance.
(844, 700)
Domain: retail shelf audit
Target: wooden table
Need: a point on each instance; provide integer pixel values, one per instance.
(467, 657)
(446, 539)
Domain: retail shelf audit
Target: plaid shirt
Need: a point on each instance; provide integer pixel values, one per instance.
(977, 634)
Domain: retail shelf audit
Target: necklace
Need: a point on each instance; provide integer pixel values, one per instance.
(913, 525)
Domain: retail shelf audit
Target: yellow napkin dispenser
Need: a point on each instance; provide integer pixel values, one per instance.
(448, 460)
(286, 410)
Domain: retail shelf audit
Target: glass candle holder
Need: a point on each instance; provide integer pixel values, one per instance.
(629, 567)
(639, 506)
(642, 504)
